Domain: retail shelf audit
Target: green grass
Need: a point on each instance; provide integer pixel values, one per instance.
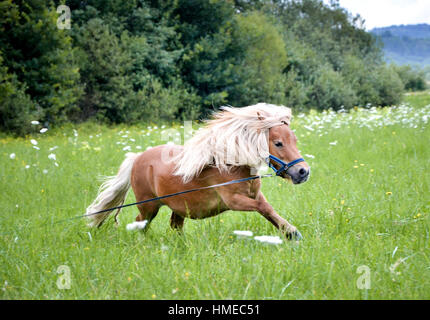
(366, 204)
(418, 99)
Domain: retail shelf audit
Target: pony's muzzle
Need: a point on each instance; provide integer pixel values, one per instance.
(299, 174)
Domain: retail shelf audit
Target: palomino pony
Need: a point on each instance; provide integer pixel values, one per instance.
(230, 146)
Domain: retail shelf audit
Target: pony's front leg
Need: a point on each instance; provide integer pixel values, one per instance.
(269, 213)
(242, 202)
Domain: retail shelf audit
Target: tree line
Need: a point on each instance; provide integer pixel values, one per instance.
(149, 61)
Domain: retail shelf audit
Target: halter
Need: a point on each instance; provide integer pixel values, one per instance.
(284, 166)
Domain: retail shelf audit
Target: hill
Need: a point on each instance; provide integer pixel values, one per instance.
(406, 44)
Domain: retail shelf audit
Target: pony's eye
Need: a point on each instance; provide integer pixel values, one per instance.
(278, 144)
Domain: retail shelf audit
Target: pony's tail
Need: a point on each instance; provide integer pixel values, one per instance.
(112, 192)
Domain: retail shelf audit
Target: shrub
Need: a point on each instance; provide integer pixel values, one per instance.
(16, 107)
(330, 90)
(413, 79)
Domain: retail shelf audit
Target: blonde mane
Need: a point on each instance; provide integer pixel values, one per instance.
(233, 137)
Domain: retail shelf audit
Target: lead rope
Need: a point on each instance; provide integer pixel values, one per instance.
(284, 167)
(167, 196)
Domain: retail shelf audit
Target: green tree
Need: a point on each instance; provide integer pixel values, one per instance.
(240, 64)
(104, 65)
(329, 90)
(413, 79)
(152, 60)
(40, 56)
(16, 108)
(260, 61)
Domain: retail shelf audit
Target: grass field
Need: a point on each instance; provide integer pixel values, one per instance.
(366, 204)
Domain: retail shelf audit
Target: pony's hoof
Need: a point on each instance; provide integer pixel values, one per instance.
(295, 235)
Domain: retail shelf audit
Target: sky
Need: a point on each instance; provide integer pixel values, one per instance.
(383, 13)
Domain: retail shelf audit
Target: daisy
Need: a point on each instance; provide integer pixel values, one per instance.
(243, 233)
(269, 239)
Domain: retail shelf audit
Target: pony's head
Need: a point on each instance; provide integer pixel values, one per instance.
(283, 145)
(243, 137)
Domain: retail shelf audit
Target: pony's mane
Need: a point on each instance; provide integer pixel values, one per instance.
(234, 136)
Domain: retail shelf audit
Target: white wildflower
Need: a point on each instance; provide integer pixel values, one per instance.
(35, 122)
(43, 130)
(12, 156)
(243, 233)
(52, 156)
(269, 239)
(33, 142)
(394, 252)
(395, 265)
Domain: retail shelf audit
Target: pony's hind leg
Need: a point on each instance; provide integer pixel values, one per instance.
(176, 221)
(148, 212)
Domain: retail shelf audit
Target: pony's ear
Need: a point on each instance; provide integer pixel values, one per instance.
(260, 117)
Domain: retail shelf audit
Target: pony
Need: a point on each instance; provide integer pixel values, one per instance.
(232, 145)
